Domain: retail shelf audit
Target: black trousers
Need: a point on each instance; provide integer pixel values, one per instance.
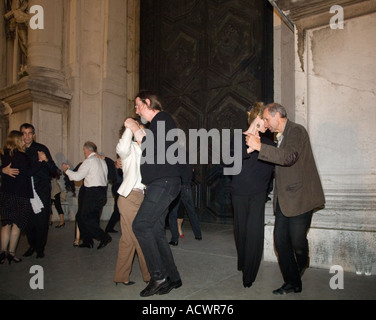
(290, 239)
(91, 202)
(249, 221)
(37, 228)
(115, 217)
(148, 227)
(57, 202)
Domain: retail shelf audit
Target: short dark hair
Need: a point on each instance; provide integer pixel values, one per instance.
(27, 126)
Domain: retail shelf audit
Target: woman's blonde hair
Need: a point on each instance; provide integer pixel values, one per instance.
(256, 110)
(14, 142)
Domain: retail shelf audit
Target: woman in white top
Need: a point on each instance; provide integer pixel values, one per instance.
(131, 193)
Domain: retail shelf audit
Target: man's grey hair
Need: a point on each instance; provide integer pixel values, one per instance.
(273, 108)
(90, 146)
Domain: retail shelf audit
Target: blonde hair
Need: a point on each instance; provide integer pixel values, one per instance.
(14, 142)
(256, 110)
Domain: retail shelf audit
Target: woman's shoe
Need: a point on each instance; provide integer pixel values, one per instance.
(60, 225)
(129, 283)
(76, 243)
(12, 257)
(181, 235)
(2, 257)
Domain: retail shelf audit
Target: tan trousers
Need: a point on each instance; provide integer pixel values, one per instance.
(128, 244)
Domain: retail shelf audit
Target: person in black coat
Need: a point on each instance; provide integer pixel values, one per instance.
(163, 184)
(37, 230)
(249, 191)
(15, 194)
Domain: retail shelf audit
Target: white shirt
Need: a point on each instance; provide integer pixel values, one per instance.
(130, 154)
(93, 170)
(280, 136)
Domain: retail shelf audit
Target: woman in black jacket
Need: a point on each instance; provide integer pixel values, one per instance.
(15, 195)
(249, 191)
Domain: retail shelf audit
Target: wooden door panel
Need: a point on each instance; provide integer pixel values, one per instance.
(209, 60)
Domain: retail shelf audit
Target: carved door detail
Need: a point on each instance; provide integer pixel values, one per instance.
(209, 60)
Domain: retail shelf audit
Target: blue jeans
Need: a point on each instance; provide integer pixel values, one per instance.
(149, 228)
(186, 199)
(290, 238)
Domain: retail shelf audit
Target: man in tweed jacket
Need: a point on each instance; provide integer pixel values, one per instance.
(298, 192)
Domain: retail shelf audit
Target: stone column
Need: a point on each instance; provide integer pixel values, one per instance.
(42, 97)
(101, 65)
(45, 45)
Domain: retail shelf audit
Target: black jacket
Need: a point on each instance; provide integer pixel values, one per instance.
(42, 177)
(255, 175)
(154, 171)
(21, 184)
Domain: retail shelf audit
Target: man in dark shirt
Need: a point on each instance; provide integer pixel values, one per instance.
(37, 229)
(163, 184)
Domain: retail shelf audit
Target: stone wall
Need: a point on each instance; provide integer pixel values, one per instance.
(335, 101)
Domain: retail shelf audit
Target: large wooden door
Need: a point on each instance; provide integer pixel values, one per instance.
(209, 60)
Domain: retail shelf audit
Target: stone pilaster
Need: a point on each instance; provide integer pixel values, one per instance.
(42, 97)
(334, 100)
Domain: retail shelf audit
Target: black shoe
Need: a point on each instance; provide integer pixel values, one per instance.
(29, 252)
(153, 287)
(129, 283)
(12, 257)
(40, 255)
(104, 242)
(173, 243)
(2, 257)
(247, 284)
(287, 288)
(86, 245)
(60, 225)
(171, 285)
(198, 238)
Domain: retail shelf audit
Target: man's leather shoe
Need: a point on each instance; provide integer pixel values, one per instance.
(173, 243)
(287, 288)
(104, 242)
(29, 252)
(171, 285)
(154, 286)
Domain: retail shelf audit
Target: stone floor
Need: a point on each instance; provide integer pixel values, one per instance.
(208, 271)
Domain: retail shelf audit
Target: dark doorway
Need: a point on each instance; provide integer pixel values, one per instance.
(209, 60)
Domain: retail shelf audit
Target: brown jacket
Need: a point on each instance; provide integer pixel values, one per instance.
(297, 182)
